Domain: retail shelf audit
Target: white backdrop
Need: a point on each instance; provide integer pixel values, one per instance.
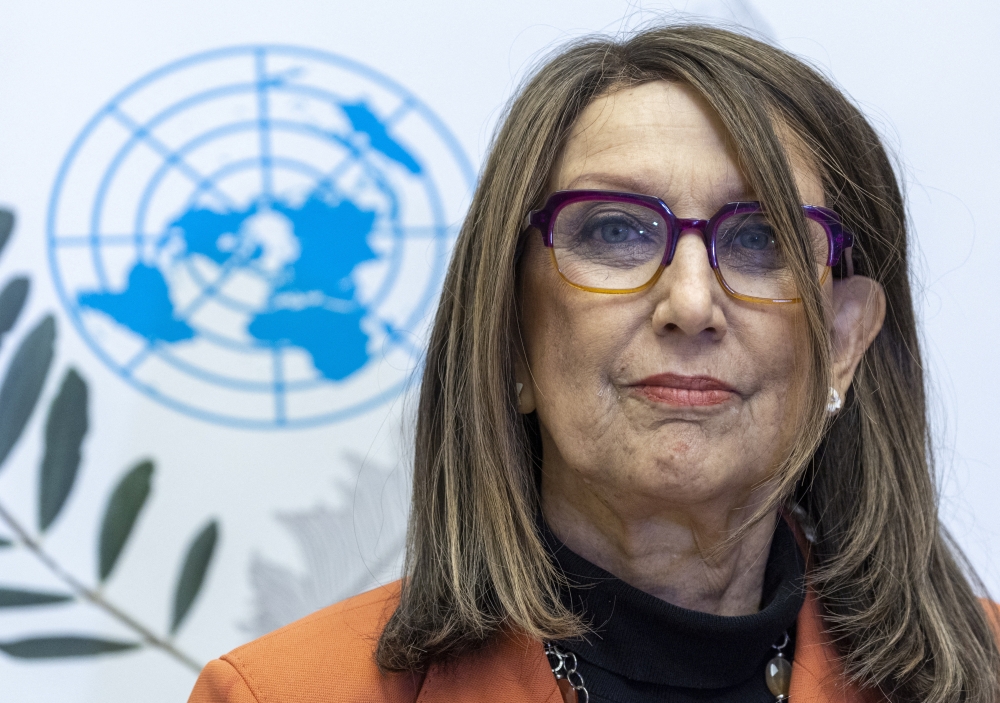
(297, 526)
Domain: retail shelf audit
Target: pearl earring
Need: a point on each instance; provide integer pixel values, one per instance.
(834, 403)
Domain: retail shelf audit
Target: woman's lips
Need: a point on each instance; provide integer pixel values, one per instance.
(673, 389)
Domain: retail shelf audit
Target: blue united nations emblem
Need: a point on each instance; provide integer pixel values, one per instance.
(255, 236)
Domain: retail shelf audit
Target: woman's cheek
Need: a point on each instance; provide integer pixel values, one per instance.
(779, 353)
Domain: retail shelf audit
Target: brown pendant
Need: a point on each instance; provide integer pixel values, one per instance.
(778, 675)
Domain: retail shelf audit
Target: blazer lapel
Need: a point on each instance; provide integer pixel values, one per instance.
(513, 668)
(817, 675)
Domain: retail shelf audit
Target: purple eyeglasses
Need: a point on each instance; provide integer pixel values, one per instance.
(609, 242)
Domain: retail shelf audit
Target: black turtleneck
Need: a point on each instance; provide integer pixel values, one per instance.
(643, 649)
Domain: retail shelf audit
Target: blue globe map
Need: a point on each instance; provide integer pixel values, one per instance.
(263, 236)
(328, 327)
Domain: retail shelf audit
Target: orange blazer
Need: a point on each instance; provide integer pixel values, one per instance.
(328, 657)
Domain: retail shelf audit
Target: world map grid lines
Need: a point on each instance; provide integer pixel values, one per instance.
(174, 158)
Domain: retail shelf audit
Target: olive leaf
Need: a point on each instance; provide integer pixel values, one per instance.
(64, 431)
(6, 227)
(63, 646)
(23, 383)
(16, 598)
(124, 506)
(12, 302)
(192, 576)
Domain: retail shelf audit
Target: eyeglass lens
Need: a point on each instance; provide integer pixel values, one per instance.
(608, 245)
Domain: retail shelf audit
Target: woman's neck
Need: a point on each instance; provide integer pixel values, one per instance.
(669, 552)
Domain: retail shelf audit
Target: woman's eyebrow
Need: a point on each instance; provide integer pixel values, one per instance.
(729, 192)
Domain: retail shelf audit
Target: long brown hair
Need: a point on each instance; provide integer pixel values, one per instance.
(897, 597)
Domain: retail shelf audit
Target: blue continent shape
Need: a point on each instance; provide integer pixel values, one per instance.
(201, 230)
(333, 240)
(364, 120)
(335, 340)
(143, 307)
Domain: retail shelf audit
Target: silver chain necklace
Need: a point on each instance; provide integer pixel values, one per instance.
(777, 673)
(564, 667)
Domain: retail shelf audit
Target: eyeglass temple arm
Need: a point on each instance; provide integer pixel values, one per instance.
(536, 218)
(845, 261)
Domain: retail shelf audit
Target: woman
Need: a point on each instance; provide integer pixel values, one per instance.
(671, 434)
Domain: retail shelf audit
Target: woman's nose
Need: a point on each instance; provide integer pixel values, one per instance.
(688, 292)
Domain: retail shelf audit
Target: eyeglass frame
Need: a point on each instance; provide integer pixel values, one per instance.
(840, 240)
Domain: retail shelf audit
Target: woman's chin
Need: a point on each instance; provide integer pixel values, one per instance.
(681, 465)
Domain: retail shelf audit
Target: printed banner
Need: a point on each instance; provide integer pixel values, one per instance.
(223, 235)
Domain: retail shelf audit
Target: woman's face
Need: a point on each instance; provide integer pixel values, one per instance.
(678, 395)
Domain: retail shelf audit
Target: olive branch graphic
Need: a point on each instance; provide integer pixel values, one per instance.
(65, 428)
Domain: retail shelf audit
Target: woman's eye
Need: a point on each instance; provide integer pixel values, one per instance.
(756, 239)
(616, 232)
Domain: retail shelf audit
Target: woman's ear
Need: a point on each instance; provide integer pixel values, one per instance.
(524, 387)
(858, 307)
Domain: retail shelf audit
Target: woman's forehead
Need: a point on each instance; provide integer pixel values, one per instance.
(663, 139)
